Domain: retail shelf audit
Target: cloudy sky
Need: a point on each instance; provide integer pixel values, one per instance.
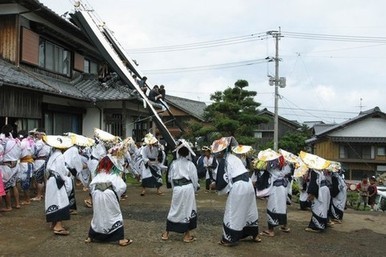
(332, 52)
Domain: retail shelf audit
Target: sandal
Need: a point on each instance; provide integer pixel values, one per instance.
(312, 230)
(160, 193)
(285, 230)
(266, 233)
(88, 203)
(223, 243)
(37, 198)
(89, 240)
(61, 232)
(256, 239)
(125, 242)
(189, 240)
(165, 236)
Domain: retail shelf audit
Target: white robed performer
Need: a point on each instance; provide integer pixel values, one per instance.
(151, 175)
(241, 216)
(41, 154)
(277, 196)
(26, 164)
(106, 190)
(10, 157)
(58, 186)
(338, 196)
(318, 191)
(182, 216)
(74, 164)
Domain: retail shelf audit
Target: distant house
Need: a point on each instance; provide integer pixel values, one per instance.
(264, 131)
(359, 143)
(52, 76)
(183, 110)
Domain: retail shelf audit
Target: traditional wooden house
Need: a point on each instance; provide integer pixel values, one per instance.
(359, 144)
(264, 131)
(53, 76)
(183, 111)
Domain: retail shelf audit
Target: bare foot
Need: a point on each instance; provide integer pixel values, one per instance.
(6, 209)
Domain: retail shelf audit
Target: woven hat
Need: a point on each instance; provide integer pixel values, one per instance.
(268, 155)
(80, 140)
(104, 136)
(150, 139)
(58, 142)
(206, 148)
(222, 143)
(183, 143)
(314, 161)
(242, 149)
(334, 166)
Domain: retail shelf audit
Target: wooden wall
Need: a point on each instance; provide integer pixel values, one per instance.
(8, 38)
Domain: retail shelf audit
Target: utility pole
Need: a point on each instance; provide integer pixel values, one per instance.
(277, 81)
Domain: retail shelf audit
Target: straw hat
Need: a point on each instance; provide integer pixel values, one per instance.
(183, 143)
(103, 135)
(242, 149)
(59, 142)
(222, 143)
(334, 166)
(80, 140)
(288, 156)
(314, 161)
(206, 148)
(268, 155)
(150, 139)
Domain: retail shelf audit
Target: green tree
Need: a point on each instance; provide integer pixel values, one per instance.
(294, 142)
(234, 112)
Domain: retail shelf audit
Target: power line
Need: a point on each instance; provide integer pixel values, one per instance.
(208, 67)
(331, 37)
(199, 45)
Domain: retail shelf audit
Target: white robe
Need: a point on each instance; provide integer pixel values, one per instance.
(277, 199)
(11, 153)
(240, 209)
(107, 215)
(182, 215)
(56, 199)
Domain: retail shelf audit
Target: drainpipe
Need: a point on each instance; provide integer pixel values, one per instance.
(100, 113)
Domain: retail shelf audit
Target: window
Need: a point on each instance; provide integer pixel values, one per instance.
(342, 152)
(258, 134)
(90, 67)
(381, 150)
(57, 123)
(54, 58)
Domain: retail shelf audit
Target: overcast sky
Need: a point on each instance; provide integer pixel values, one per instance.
(332, 52)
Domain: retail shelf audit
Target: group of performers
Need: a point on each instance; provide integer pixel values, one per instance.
(54, 163)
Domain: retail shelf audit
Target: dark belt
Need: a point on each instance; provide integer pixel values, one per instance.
(11, 164)
(323, 183)
(280, 182)
(243, 177)
(93, 158)
(103, 186)
(181, 182)
(41, 158)
(152, 159)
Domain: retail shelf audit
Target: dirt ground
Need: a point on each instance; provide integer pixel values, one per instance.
(24, 232)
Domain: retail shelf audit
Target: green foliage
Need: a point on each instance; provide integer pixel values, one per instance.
(234, 112)
(293, 142)
(295, 188)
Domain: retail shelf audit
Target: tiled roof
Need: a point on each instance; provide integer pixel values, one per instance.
(322, 133)
(265, 111)
(83, 88)
(359, 139)
(192, 107)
